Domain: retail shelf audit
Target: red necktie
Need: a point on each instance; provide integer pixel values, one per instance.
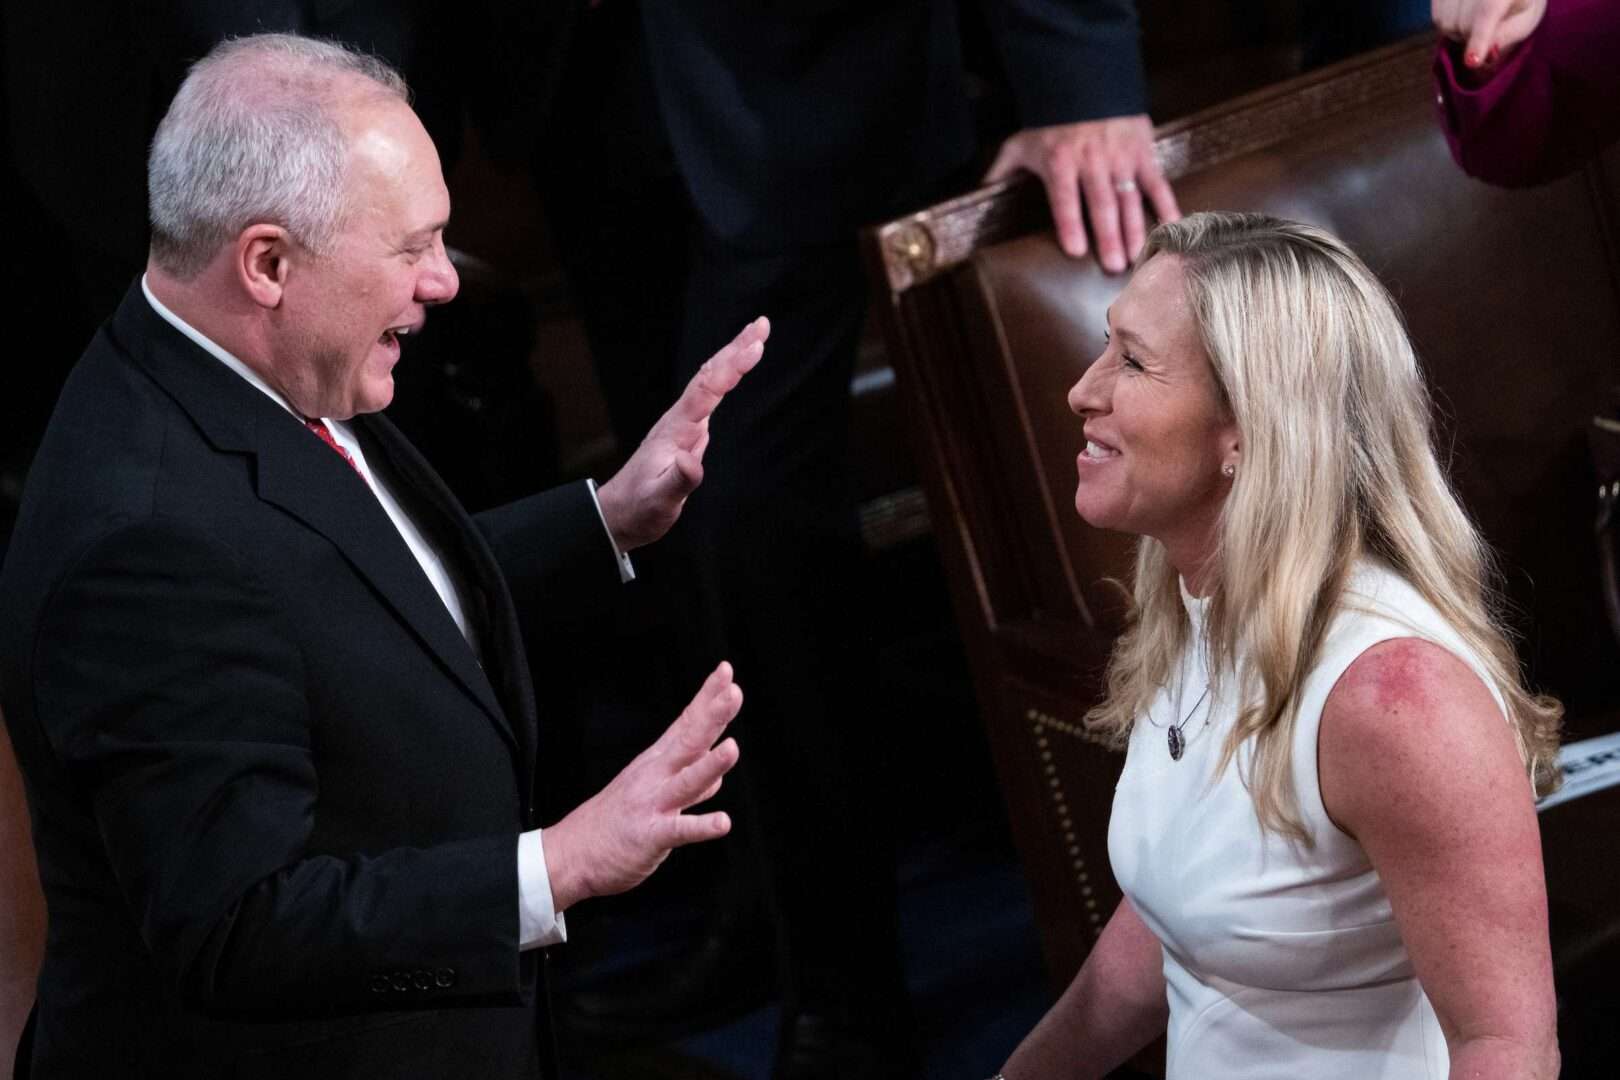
(325, 434)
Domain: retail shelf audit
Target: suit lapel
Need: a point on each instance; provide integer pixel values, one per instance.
(505, 662)
(299, 474)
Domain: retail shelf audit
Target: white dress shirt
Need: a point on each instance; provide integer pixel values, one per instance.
(539, 921)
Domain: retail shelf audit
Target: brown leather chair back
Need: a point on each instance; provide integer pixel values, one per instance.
(1513, 302)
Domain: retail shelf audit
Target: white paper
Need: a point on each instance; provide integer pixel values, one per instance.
(1589, 765)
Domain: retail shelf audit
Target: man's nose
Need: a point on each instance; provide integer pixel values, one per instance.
(438, 282)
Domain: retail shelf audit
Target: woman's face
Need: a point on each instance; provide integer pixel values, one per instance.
(1156, 432)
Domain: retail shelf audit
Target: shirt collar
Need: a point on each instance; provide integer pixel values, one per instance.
(213, 349)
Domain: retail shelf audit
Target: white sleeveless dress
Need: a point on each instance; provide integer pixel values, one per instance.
(1281, 962)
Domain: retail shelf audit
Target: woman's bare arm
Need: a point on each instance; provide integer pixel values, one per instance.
(1113, 1008)
(1417, 763)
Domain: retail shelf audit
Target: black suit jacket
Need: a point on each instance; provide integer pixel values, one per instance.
(275, 795)
(793, 121)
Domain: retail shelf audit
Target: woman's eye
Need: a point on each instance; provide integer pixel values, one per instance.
(1126, 360)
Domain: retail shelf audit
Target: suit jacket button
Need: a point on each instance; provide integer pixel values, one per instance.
(445, 977)
(402, 980)
(379, 984)
(422, 979)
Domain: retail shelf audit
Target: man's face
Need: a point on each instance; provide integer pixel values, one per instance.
(342, 313)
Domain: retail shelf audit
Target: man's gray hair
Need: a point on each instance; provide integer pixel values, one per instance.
(254, 136)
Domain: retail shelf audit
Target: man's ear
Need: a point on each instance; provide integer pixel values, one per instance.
(262, 264)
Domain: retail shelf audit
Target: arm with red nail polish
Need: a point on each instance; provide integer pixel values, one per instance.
(1526, 88)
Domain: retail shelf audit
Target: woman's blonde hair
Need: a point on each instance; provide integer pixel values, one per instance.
(1312, 359)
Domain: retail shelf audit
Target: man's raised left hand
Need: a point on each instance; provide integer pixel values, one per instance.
(644, 498)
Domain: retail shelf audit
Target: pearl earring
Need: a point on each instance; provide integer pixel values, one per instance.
(1229, 470)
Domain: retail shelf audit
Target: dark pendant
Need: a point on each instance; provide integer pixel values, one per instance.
(1178, 745)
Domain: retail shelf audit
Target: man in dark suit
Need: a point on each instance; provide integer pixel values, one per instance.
(106, 72)
(734, 150)
(264, 675)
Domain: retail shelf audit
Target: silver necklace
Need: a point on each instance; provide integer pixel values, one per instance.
(1178, 741)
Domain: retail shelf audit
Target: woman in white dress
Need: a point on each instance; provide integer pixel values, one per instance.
(1325, 828)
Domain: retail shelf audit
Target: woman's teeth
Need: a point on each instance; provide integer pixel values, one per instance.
(1098, 450)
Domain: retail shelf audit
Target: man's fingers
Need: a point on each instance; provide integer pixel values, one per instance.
(1157, 189)
(1102, 205)
(683, 476)
(688, 729)
(695, 828)
(1132, 222)
(1008, 161)
(721, 709)
(689, 786)
(756, 332)
(752, 333)
(1063, 194)
(717, 680)
(701, 722)
(715, 379)
(709, 792)
(1160, 194)
(722, 371)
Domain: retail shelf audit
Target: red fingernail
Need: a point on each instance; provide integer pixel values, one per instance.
(1471, 59)
(1490, 57)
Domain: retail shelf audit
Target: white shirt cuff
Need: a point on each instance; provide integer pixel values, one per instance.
(627, 571)
(539, 922)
